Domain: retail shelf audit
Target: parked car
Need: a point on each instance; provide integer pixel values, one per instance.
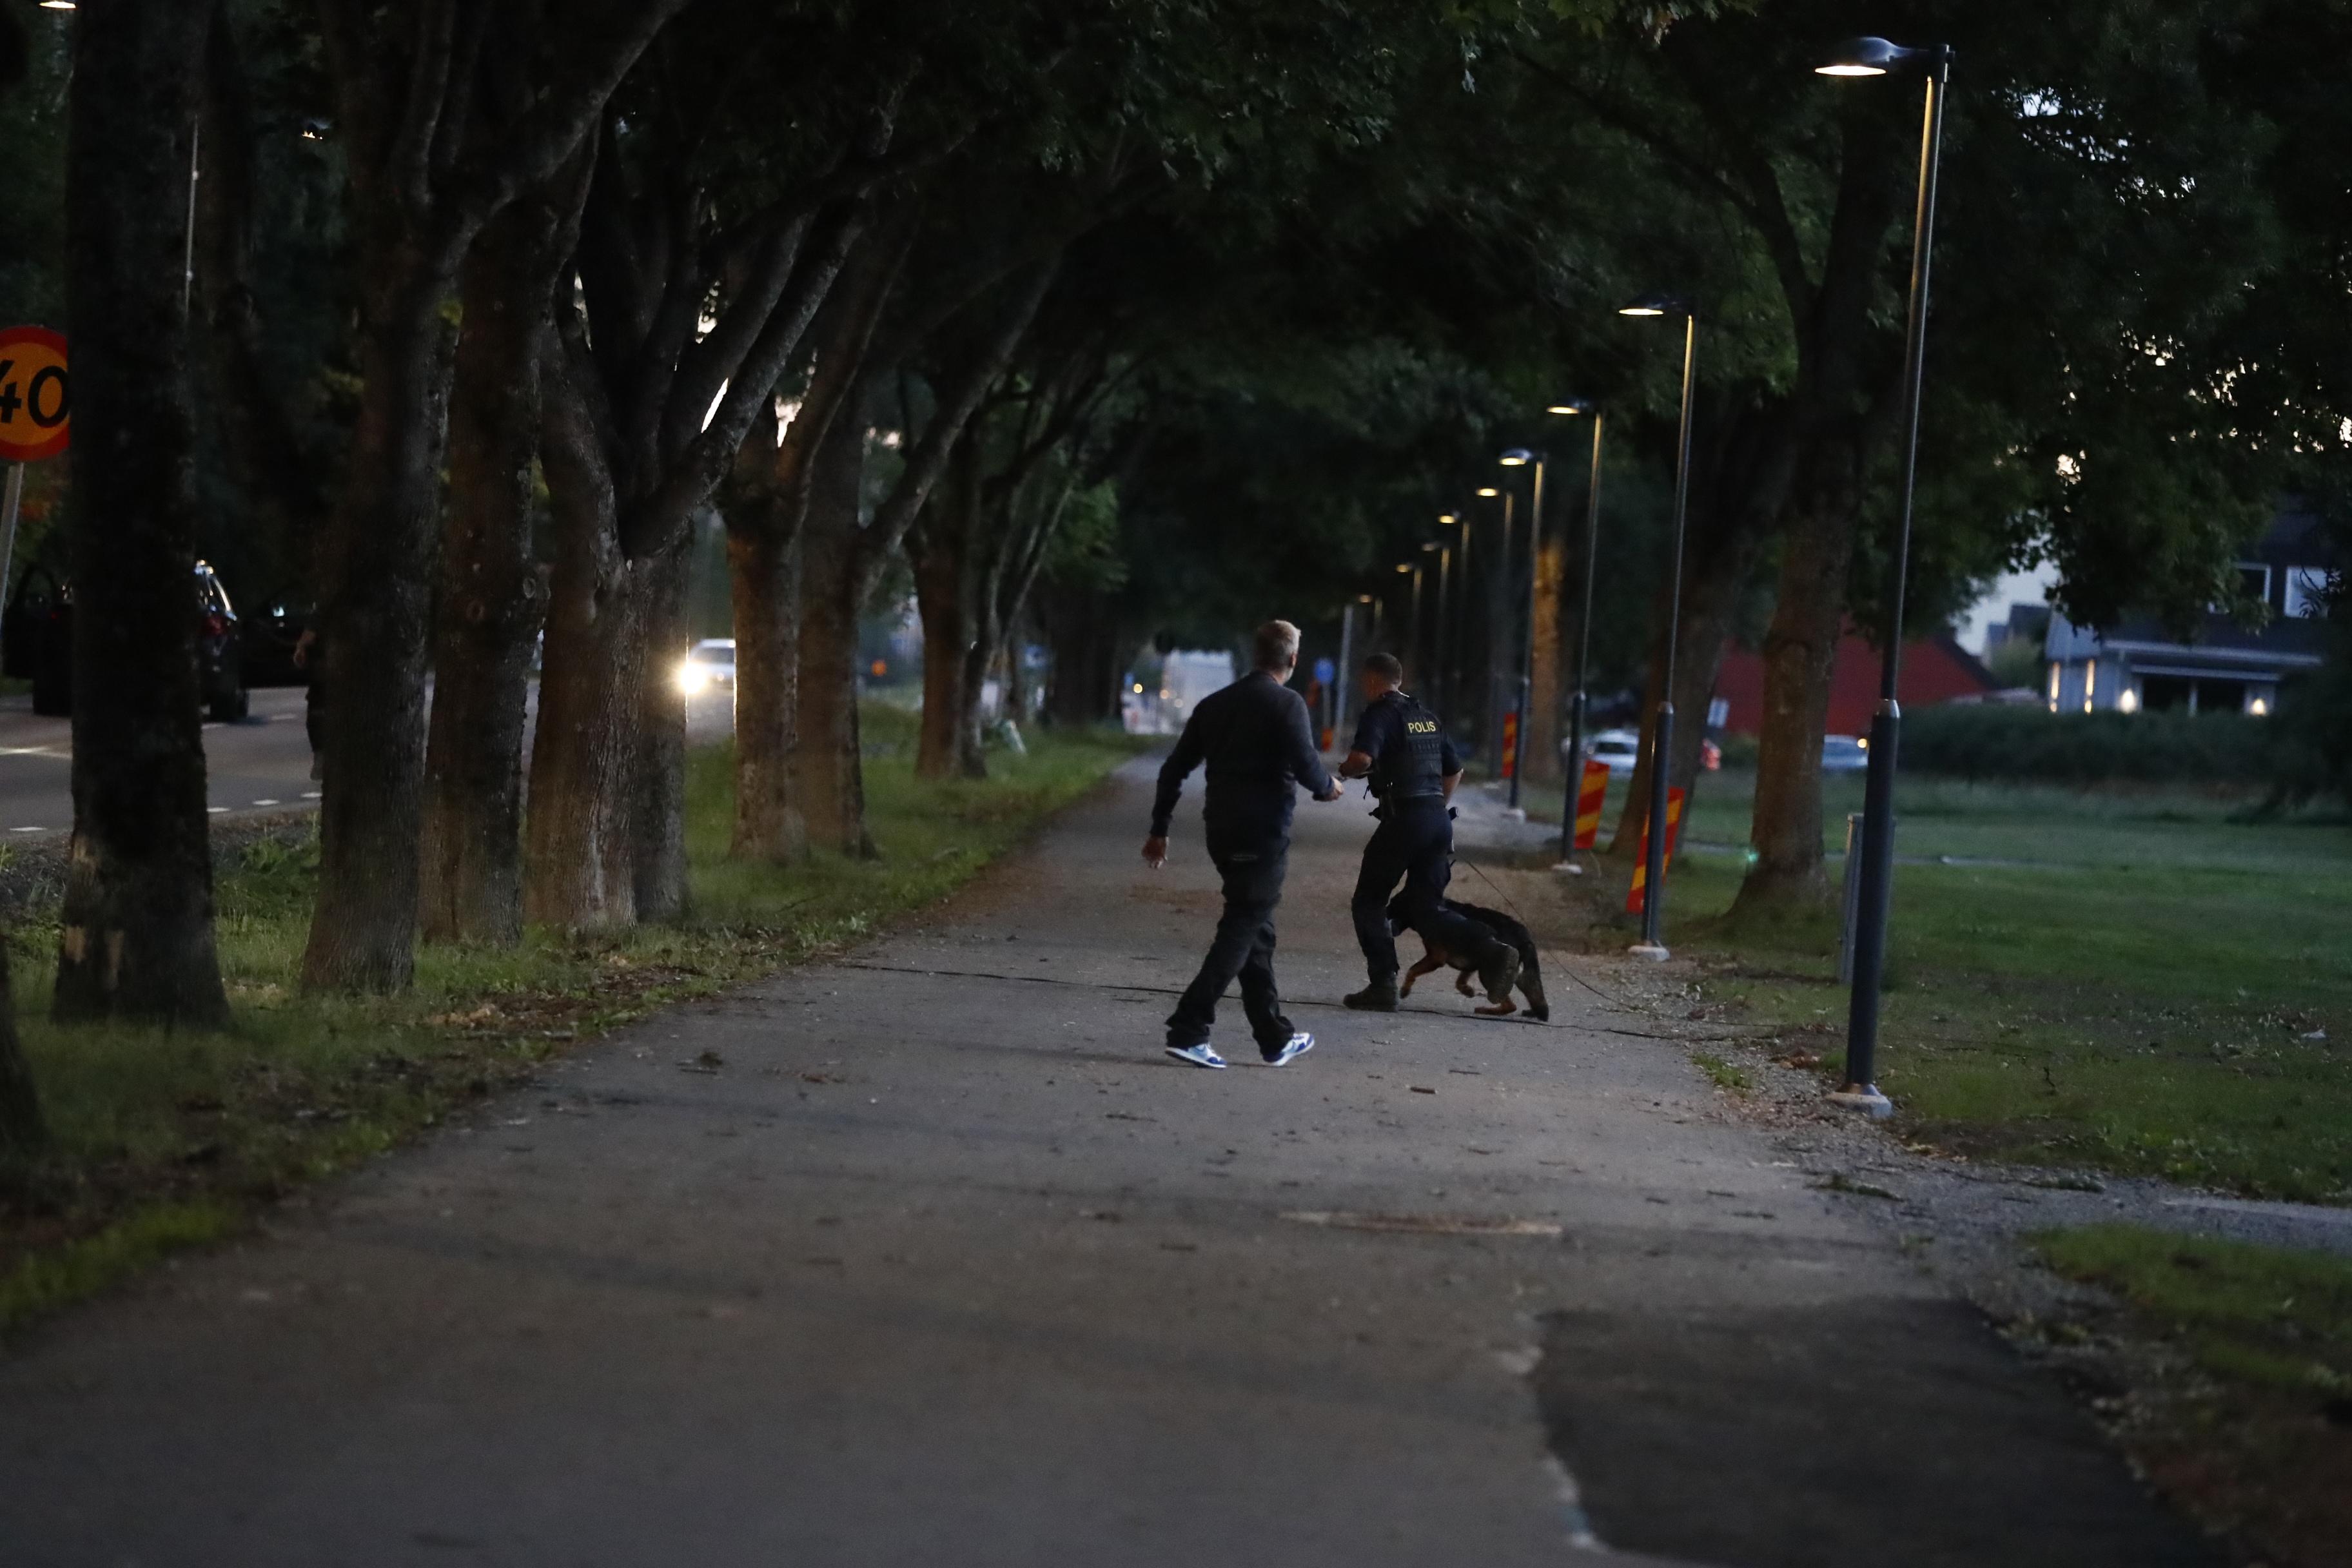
(708, 664)
(1844, 754)
(1617, 749)
(37, 643)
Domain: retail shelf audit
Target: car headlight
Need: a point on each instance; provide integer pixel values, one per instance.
(692, 677)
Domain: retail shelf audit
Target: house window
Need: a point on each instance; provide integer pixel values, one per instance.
(2054, 686)
(2090, 685)
(2254, 581)
(2306, 591)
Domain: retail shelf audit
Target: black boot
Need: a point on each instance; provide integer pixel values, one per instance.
(1379, 996)
(1498, 969)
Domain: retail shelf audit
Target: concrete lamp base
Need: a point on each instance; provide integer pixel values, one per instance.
(1864, 1098)
(1656, 951)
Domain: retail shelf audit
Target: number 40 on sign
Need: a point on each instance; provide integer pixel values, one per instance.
(35, 401)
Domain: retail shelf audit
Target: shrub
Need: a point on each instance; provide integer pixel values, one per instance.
(1998, 742)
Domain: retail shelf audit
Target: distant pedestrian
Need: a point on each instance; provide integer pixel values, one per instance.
(307, 660)
(1402, 748)
(1254, 738)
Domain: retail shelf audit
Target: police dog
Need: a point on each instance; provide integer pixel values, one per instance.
(1434, 957)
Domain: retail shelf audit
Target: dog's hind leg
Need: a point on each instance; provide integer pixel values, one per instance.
(1427, 963)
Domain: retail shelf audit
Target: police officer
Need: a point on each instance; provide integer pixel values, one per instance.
(1403, 749)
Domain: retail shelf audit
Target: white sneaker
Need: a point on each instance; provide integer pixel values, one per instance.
(1203, 1054)
(1298, 1046)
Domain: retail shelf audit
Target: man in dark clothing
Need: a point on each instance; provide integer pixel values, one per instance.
(1403, 749)
(1254, 738)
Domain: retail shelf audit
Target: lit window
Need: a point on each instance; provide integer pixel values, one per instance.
(2127, 700)
(2090, 684)
(2306, 591)
(2260, 708)
(2054, 688)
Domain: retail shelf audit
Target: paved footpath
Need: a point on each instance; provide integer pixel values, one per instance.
(940, 1262)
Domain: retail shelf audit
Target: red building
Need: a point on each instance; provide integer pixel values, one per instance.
(1935, 669)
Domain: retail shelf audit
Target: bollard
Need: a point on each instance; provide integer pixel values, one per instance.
(1849, 898)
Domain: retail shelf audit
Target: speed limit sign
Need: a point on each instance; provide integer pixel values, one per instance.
(35, 401)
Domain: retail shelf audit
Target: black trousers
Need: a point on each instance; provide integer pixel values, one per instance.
(1243, 948)
(1415, 842)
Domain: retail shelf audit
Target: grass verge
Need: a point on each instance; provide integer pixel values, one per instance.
(2257, 1429)
(161, 1141)
(2148, 981)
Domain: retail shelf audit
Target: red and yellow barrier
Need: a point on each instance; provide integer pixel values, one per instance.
(1633, 895)
(1588, 793)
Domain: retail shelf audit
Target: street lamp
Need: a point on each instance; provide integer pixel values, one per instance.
(1450, 658)
(1662, 732)
(1877, 56)
(1433, 645)
(1576, 702)
(1521, 457)
(1497, 588)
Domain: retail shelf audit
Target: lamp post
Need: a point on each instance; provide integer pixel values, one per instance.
(1412, 575)
(1861, 58)
(1433, 645)
(1576, 700)
(1521, 457)
(1494, 585)
(1662, 732)
(1451, 654)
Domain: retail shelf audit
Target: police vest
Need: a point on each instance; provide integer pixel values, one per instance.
(1415, 770)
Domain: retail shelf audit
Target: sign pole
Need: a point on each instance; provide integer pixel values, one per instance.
(10, 499)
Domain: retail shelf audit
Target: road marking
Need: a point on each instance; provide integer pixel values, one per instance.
(265, 802)
(310, 795)
(28, 830)
(216, 810)
(35, 752)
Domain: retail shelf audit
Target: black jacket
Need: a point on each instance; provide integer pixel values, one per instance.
(1255, 737)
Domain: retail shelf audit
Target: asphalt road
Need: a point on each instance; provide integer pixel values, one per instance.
(261, 762)
(928, 1256)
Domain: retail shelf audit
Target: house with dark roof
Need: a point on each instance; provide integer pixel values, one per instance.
(2224, 666)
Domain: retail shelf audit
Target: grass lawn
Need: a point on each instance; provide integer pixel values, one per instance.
(2263, 1435)
(2149, 982)
(161, 1139)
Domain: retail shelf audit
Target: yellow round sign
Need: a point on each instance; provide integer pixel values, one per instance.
(36, 405)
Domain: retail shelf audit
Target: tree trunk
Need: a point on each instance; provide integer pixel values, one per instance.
(1711, 590)
(1019, 695)
(137, 937)
(492, 598)
(1799, 658)
(657, 813)
(23, 1133)
(580, 868)
(939, 551)
(374, 556)
(763, 560)
(831, 775)
(1544, 701)
(1081, 681)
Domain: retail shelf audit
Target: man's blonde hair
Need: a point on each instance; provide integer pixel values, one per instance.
(1277, 645)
